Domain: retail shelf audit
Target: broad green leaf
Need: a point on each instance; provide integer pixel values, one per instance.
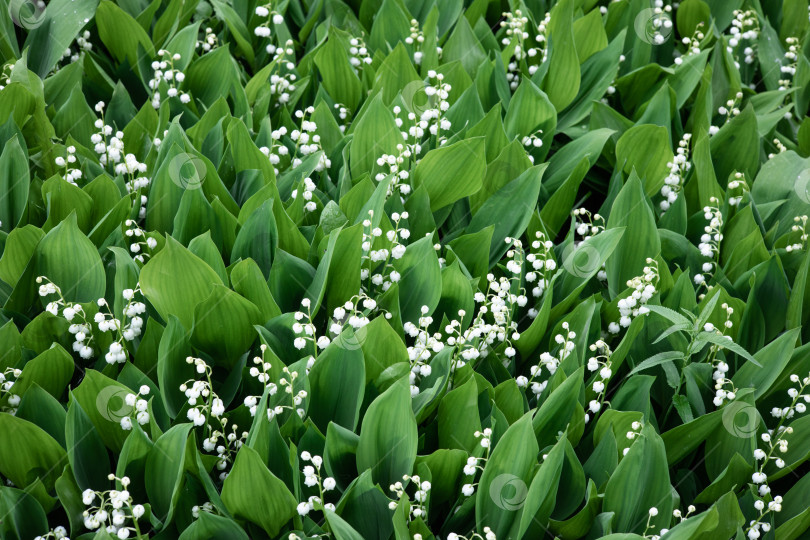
(253, 493)
(451, 172)
(175, 281)
(388, 436)
(67, 258)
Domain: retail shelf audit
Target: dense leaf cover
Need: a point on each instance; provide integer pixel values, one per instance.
(404, 269)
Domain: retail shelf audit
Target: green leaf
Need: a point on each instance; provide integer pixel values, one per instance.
(71, 261)
(337, 383)
(164, 470)
(503, 485)
(14, 182)
(254, 493)
(51, 370)
(451, 172)
(175, 281)
(54, 31)
(339, 78)
(657, 360)
(121, 34)
(375, 134)
(388, 436)
(420, 282)
(632, 212)
(509, 210)
(563, 78)
(645, 148)
(631, 499)
(34, 455)
(213, 527)
(223, 325)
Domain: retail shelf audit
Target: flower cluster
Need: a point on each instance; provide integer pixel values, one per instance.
(740, 185)
(204, 507)
(114, 511)
(110, 150)
(413, 133)
(550, 362)
(205, 407)
(282, 81)
(420, 496)
(731, 108)
(58, 533)
(635, 430)
(296, 398)
(165, 72)
(351, 314)
(587, 224)
(82, 45)
(266, 12)
(692, 44)
(744, 33)
(678, 168)
(431, 119)
(307, 141)
(780, 147)
(494, 325)
(306, 330)
(601, 364)
(542, 260)
(396, 167)
(709, 245)
(475, 464)
(775, 439)
(488, 535)
(424, 343)
(661, 22)
(7, 380)
(73, 313)
(359, 53)
(416, 38)
(312, 478)
(723, 386)
(515, 29)
(141, 245)
(789, 69)
(138, 407)
(801, 228)
(308, 188)
(277, 148)
(376, 265)
(644, 288)
(651, 513)
(542, 40)
(125, 330)
(209, 42)
(261, 372)
(533, 140)
(71, 173)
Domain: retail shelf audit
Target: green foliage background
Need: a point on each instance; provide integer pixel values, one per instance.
(239, 223)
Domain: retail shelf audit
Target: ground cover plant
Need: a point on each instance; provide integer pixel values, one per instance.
(404, 269)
